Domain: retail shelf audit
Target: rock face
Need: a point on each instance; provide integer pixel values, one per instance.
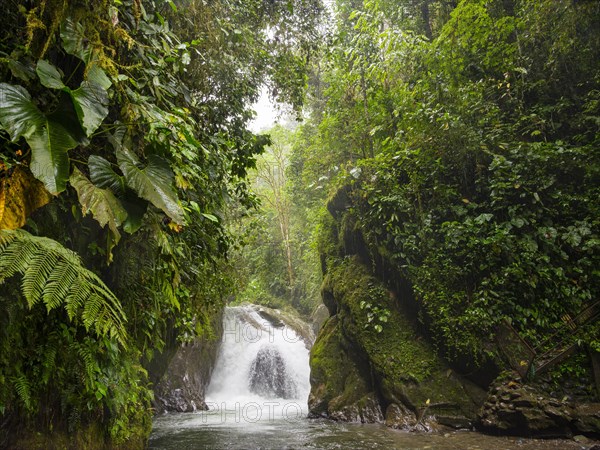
(182, 386)
(278, 319)
(268, 375)
(521, 409)
(339, 382)
(359, 370)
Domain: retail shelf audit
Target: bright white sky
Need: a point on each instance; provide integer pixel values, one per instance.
(266, 113)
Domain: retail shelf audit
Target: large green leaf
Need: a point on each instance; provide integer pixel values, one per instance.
(136, 208)
(97, 75)
(49, 157)
(102, 203)
(75, 42)
(90, 99)
(46, 135)
(153, 183)
(103, 175)
(91, 104)
(66, 115)
(49, 75)
(19, 116)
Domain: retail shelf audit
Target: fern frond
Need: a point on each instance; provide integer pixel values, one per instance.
(59, 283)
(17, 256)
(23, 390)
(56, 275)
(48, 361)
(76, 297)
(36, 275)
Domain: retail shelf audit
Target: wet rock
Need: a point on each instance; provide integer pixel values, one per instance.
(392, 362)
(533, 412)
(319, 317)
(269, 376)
(278, 319)
(586, 418)
(457, 422)
(183, 385)
(399, 417)
(186, 373)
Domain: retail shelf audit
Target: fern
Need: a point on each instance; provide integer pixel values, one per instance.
(54, 275)
(23, 390)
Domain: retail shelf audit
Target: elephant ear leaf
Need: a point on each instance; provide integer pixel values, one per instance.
(153, 183)
(49, 155)
(91, 104)
(102, 203)
(19, 116)
(75, 41)
(103, 175)
(47, 137)
(49, 75)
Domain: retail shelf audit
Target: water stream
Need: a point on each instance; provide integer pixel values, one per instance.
(258, 400)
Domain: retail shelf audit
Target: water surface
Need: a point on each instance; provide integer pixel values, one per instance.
(213, 430)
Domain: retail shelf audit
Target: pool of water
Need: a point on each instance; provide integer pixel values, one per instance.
(287, 428)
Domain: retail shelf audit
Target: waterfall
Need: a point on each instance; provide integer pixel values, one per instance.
(262, 370)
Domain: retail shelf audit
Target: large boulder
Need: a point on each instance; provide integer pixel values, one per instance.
(340, 384)
(182, 384)
(369, 353)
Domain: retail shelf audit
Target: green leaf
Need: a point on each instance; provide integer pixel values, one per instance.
(210, 217)
(18, 114)
(102, 203)
(75, 42)
(49, 75)
(66, 115)
(103, 175)
(136, 208)
(49, 155)
(48, 136)
(97, 75)
(153, 183)
(91, 104)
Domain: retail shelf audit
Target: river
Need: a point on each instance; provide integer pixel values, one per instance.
(258, 400)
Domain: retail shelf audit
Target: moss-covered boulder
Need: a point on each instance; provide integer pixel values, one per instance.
(340, 388)
(371, 335)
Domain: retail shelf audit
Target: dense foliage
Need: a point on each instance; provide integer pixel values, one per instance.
(469, 134)
(123, 137)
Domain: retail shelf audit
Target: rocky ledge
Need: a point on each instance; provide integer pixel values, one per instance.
(521, 409)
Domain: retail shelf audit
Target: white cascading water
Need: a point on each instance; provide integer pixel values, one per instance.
(262, 371)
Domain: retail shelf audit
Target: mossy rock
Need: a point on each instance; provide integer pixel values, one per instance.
(407, 368)
(339, 388)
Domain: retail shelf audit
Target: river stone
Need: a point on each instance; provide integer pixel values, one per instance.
(399, 417)
(269, 375)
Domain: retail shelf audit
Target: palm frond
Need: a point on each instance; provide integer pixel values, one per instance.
(55, 275)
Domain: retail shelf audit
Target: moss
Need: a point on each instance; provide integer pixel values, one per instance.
(336, 378)
(406, 366)
(396, 352)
